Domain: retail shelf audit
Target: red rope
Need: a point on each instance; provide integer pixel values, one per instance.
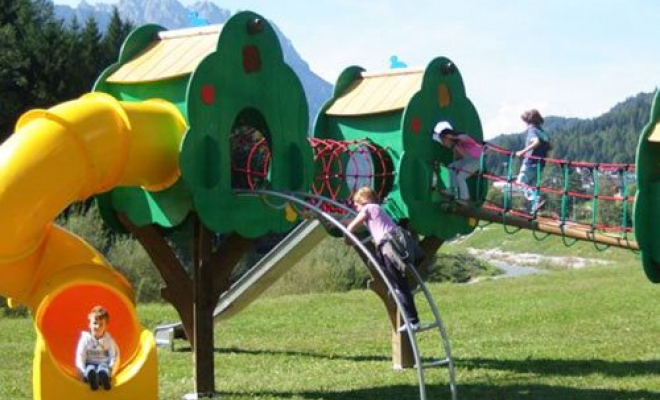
(358, 155)
(600, 166)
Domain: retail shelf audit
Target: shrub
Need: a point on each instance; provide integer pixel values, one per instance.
(331, 266)
(17, 312)
(459, 268)
(85, 221)
(127, 255)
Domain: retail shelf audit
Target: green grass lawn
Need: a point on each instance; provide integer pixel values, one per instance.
(566, 334)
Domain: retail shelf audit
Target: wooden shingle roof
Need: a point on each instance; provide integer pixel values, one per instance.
(381, 92)
(655, 135)
(172, 54)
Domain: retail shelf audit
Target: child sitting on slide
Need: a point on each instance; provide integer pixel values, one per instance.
(97, 353)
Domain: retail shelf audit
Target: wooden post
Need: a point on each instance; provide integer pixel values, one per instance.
(211, 273)
(194, 297)
(203, 305)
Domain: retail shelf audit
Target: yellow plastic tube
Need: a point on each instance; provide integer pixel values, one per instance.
(57, 157)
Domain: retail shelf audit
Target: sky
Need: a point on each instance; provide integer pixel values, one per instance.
(569, 58)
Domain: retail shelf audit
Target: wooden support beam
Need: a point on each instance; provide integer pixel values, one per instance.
(178, 285)
(224, 260)
(194, 297)
(211, 272)
(430, 245)
(203, 305)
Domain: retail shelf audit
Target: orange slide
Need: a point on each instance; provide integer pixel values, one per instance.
(57, 157)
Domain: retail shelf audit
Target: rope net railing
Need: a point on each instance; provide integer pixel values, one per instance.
(587, 196)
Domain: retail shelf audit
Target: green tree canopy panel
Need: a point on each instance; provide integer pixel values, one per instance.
(245, 82)
(441, 98)
(397, 111)
(647, 199)
(240, 79)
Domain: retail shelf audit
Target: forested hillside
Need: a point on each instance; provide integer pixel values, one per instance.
(44, 61)
(609, 138)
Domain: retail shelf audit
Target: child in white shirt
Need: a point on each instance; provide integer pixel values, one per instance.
(97, 353)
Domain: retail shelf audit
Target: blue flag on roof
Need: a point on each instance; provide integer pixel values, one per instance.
(396, 63)
(194, 20)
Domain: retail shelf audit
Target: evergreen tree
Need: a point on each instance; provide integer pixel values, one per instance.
(13, 62)
(92, 51)
(43, 62)
(29, 51)
(78, 77)
(117, 32)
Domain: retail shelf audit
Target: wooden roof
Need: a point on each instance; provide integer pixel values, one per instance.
(655, 135)
(172, 54)
(379, 92)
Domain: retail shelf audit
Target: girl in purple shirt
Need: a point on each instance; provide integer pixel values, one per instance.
(467, 153)
(388, 238)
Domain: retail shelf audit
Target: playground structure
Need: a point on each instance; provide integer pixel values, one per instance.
(156, 144)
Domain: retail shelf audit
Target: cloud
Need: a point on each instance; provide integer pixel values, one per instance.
(502, 120)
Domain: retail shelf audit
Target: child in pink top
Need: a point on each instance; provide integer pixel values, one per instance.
(388, 239)
(467, 153)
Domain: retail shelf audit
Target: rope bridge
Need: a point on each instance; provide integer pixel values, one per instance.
(583, 201)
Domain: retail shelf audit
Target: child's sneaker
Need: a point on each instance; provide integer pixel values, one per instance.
(92, 380)
(539, 204)
(414, 326)
(104, 380)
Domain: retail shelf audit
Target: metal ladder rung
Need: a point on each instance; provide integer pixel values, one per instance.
(428, 327)
(421, 328)
(436, 363)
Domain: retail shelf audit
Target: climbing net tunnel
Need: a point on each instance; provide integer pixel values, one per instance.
(341, 167)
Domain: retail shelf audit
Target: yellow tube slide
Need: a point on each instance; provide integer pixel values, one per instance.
(57, 157)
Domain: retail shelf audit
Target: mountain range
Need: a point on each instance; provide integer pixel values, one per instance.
(172, 14)
(607, 138)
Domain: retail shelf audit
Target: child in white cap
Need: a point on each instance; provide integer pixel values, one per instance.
(467, 153)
